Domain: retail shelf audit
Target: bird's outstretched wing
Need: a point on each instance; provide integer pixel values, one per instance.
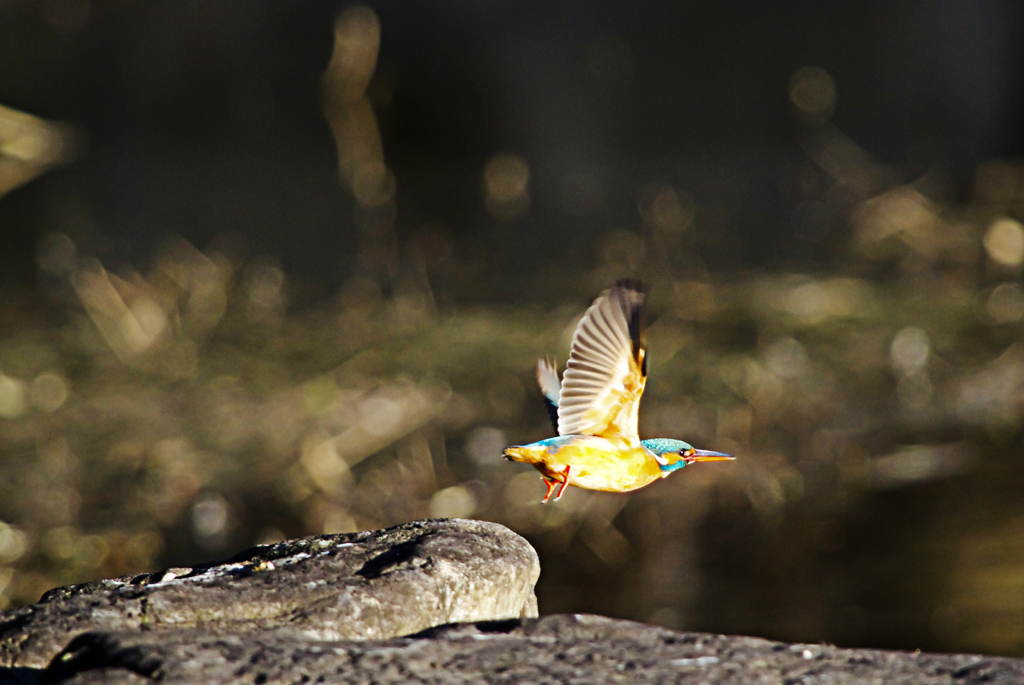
(607, 368)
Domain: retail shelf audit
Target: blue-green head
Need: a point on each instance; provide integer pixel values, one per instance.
(688, 453)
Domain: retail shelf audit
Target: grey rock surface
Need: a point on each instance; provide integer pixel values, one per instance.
(368, 585)
(554, 649)
(441, 601)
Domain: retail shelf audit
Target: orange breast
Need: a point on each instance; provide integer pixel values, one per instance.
(595, 463)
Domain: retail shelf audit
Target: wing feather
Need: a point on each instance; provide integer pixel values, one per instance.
(550, 387)
(605, 375)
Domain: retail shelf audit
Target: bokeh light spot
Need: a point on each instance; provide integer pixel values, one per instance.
(662, 206)
(454, 502)
(211, 515)
(506, 186)
(1004, 242)
(909, 351)
(1006, 303)
(786, 358)
(48, 391)
(813, 94)
(485, 444)
(13, 543)
(12, 397)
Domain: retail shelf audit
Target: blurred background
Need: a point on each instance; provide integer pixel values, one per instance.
(284, 268)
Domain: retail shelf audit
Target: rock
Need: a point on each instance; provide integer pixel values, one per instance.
(334, 608)
(562, 649)
(369, 585)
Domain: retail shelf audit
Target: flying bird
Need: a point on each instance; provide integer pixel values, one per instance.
(595, 406)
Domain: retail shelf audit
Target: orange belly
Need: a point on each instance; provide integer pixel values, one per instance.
(595, 463)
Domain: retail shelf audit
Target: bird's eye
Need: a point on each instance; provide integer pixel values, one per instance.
(688, 453)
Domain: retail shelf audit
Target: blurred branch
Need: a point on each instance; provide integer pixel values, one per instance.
(30, 145)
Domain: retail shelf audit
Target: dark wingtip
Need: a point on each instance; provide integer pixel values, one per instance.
(552, 411)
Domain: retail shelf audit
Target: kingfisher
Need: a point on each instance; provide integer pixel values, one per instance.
(594, 408)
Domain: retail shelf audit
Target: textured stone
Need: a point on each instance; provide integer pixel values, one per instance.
(334, 609)
(369, 585)
(555, 649)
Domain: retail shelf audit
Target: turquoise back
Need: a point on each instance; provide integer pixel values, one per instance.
(554, 444)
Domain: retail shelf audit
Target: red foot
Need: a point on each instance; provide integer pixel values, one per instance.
(551, 486)
(551, 483)
(565, 484)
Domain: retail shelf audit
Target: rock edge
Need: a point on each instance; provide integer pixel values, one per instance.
(368, 585)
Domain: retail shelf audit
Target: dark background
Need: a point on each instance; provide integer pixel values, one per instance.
(202, 118)
(200, 141)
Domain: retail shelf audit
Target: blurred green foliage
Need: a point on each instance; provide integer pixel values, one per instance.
(871, 383)
(175, 416)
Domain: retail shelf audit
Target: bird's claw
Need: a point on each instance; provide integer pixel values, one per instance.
(551, 486)
(551, 483)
